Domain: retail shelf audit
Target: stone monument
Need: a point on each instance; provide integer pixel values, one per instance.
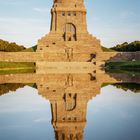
(68, 39)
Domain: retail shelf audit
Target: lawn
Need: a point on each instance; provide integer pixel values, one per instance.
(129, 65)
(4, 65)
(17, 67)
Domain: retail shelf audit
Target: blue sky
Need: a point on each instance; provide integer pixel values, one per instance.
(112, 21)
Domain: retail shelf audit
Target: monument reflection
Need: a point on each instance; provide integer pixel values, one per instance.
(68, 94)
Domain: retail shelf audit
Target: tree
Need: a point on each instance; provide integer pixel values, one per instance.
(127, 47)
(5, 46)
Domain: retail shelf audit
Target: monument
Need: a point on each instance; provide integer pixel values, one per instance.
(68, 45)
(68, 39)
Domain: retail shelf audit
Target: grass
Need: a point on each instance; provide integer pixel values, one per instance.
(16, 71)
(107, 49)
(4, 65)
(32, 49)
(28, 50)
(131, 68)
(105, 84)
(129, 72)
(129, 65)
(17, 67)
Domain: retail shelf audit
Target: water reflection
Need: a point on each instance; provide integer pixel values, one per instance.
(68, 95)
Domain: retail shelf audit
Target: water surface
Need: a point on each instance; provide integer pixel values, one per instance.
(69, 106)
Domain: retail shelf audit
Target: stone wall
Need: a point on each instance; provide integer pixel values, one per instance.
(21, 56)
(43, 56)
(48, 78)
(64, 57)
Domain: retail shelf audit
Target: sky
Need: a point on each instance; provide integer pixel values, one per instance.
(111, 21)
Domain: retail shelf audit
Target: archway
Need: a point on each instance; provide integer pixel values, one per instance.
(69, 32)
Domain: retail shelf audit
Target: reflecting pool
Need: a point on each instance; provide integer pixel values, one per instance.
(97, 106)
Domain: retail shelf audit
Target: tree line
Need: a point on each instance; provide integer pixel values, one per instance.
(134, 87)
(5, 46)
(5, 88)
(127, 47)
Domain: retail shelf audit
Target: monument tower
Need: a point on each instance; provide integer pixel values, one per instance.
(68, 39)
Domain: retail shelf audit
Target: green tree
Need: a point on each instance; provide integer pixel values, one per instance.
(127, 47)
(5, 46)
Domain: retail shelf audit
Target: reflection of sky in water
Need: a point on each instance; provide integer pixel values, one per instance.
(112, 115)
(25, 115)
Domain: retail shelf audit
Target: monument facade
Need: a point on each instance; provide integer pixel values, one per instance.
(68, 43)
(68, 39)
